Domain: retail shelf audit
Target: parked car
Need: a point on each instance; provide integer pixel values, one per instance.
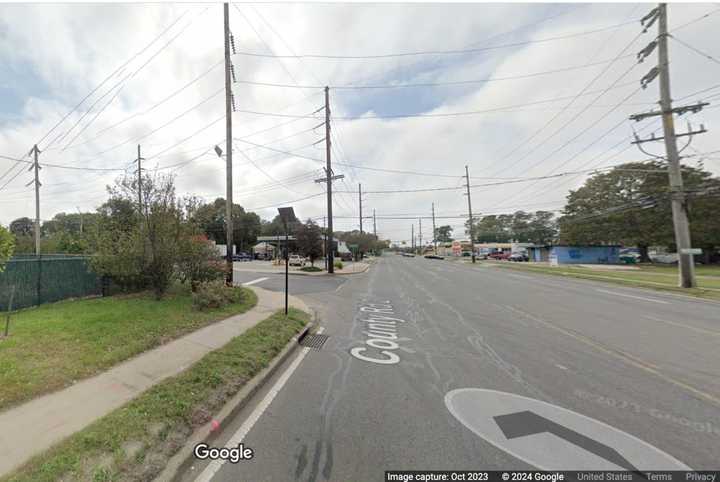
(499, 255)
(518, 257)
(433, 256)
(296, 260)
(242, 256)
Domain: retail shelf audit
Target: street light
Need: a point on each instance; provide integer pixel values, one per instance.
(287, 215)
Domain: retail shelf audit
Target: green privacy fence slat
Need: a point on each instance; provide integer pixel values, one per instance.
(46, 278)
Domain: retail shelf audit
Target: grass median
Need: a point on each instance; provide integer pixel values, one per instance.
(662, 278)
(134, 442)
(54, 345)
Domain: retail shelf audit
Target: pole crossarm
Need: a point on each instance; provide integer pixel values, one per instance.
(693, 108)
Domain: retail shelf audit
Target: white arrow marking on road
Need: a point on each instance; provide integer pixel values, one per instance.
(615, 293)
(569, 441)
(250, 422)
(254, 281)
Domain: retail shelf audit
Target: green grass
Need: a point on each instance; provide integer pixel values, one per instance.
(56, 344)
(663, 278)
(159, 421)
(310, 269)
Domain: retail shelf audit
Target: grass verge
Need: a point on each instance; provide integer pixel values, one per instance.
(660, 279)
(54, 345)
(134, 442)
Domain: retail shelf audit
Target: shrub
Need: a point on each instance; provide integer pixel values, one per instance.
(338, 264)
(215, 294)
(199, 262)
(310, 269)
(7, 245)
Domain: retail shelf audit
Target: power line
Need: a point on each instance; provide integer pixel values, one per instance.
(110, 76)
(432, 84)
(438, 52)
(696, 50)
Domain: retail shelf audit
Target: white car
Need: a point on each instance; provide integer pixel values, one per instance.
(296, 260)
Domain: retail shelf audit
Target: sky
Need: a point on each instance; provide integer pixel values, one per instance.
(516, 91)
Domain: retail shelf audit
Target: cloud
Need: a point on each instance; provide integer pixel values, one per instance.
(61, 52)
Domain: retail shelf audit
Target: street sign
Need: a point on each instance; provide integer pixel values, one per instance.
(691, 251)
(550, 437)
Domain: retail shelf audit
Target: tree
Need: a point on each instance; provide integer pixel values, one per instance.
(630, 205)
(199, 261)
(309, 240)
(7, 245)
(247, 226)
(148, 250)
(22, 227)
(443, 234)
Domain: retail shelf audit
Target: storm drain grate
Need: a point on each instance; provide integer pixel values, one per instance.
(314, 341)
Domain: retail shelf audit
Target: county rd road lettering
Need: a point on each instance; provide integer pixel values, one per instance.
(447, 350)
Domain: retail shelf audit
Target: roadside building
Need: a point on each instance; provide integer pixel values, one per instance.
(585, 254)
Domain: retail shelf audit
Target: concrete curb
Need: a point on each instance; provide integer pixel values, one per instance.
(181, 462)
(300, 273)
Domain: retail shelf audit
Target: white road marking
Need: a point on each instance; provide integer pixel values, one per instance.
(520, 276)
(561, 367)
(254, 281)
(248, 424)
(652, 300)
(693, 328)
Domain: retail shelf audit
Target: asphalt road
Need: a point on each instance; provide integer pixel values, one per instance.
(612, 378)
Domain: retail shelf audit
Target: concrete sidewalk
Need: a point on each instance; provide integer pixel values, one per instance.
(35, 426)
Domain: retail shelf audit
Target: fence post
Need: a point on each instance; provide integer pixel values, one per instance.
(7, 319)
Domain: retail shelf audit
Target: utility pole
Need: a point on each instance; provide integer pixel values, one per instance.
(412, 238)
(360, 197)
(677, 192)
(325, 245)
(434, 230)
(36, 167)
(328, 179)
(81, 218)
(374, 225)
(470, 215)
(420, 245)
(139, 180)
(228, 148)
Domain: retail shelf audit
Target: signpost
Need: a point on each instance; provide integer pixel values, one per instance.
(287, 215)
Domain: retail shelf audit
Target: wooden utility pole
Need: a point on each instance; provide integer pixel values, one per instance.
(412, 238)
(360, 198)
(228, 149)
(139, 180)
(36, 181)
(677, 191)
(434, 230)
(374, 225)
(420, 245)
(328, 175)
(470, 215)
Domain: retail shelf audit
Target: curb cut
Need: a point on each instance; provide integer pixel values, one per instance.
(180, 463)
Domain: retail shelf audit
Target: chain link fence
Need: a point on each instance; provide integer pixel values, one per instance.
(46, 278)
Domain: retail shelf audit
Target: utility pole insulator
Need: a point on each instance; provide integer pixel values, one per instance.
(649, 77)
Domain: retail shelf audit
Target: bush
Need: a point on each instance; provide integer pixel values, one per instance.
(311, 269)
(7, 245)
(338, 264)
(215, 294)
(199, 262)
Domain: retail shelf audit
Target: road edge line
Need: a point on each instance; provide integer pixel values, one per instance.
(179, 463)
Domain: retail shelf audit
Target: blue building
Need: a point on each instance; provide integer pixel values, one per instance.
(589, 254)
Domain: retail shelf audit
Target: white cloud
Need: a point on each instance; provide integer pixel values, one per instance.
(71, 48)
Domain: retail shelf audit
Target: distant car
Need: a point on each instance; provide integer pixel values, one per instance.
(408, 255)
(296, 260)
(499, 255)
(241, 256)
(347, 256)
(518, 257)
(433, 256)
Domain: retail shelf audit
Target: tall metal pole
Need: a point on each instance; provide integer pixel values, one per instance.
(36, 168)
(360, 198)
(677, 193)
(287, 260)
(328, 168)
(374, 225)
(434, 230)
(470, 216)
(412, 238)
(228, 149)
